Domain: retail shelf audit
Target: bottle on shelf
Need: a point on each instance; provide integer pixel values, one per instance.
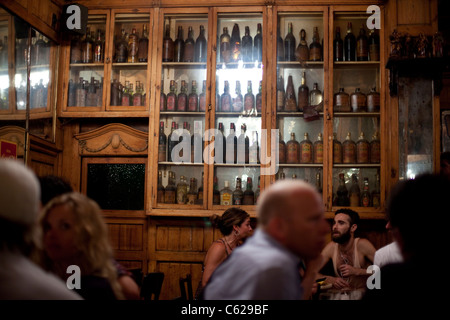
(281, 175)
(302, 51)
(374, 45)
(253, 151)
(186, 127)
(191, 197)
(72, 94)
(235, 41)
(376, 196)
(163, 98)
(221, 144)
(162, 145)
(338, 46)
(243, 146)
(358, 101)
(143, 45)
(290, 103)
(375, 149)
(365, 195)
(216, 192)
(91, 97)
(178, 46)
(341, 101)
(258, 44)
(199, 199)
(373, 100)
(349, 150)
(202, 98)
(342, 192)
(80, 94)
(201, 47)
(182, 190)
(289, 45)
(171, 104)
(315, 48)
(86, 47)
(337, 150)
(249, 195)
(258, 99)
(168, 46)
(225, 46)
(226, 195)
(172, 141)
(303, 94)
(225, 98)
(319, 182)
(138, 96)
(75, 52)
(292, 150)
(362, 49)
(133, 46)
(122, 48)
(115, 93)
(355, 192)
(258, 190)
(170, 192)
(231, 145)
(318, 149)
(126, 94)
(362, 149)
(316, 98)
(193, 98)
(249, 99)
(189, 46)
(306, 150)
(238, 194)
(182, 97)
(237, 100)
(349, 44)
(160, 189)
(247, 46)
(280, 46)
(98, 48)
(197, 144)
(280, 94)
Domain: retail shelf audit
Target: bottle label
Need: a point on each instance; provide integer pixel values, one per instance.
(362, 152)
(318, 153)
(170, 103)
(292, 154)
(225, 199)
(375, 152)
(349, 153)
(306, 155)
(193, 104)
(248, 103)
(169, 196)
(315, 54)
(237, 201)
(202, 103)
(137, 100)
(337, 153)
(248, 200)
(181, 196)
(125, 100)
(181, 103)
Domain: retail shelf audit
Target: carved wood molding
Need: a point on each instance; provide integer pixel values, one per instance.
(113, 139)
(14, 134)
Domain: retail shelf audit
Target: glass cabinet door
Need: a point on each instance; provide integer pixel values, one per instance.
(300, 95)
(356, 111)
(5, 21)
(182, 107)
(238, 109)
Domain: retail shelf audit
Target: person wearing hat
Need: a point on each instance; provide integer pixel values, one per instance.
(20, 278)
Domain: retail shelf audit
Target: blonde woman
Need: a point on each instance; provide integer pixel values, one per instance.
(74, 233)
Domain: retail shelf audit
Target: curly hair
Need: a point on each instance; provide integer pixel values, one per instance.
(231, 217)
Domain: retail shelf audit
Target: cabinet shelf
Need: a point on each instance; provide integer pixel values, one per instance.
(240, 64)
(293, 114)
(356, 114)
(184, 64)
(356, 165)
(129, 64)
(182, 113)
(86, 65)
(167, 163)
(301, 165)
(237, 114)
(298, 64)
(237, 164)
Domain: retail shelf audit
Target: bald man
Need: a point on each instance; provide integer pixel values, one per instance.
(291, 232)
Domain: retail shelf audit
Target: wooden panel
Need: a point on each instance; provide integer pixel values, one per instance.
(173, 272)
(131, 237)
(114, 235)
(413, 12)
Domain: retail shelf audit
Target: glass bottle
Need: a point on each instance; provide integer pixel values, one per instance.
(91, 98)
(221, 143)
(226, 195)
(115, 93)
(75, 51)
(280, 46)
(338, 46)
(86, 47)
(376, 196)
(349, 150)
(249, 195)
(168, 46)
(365, 195)
(182, 97)
(253, 151)
(258, 190)
(243, 146)
(375, 149)
(342, 192)
(290, 103)
(358, 101)
(349, 44)
(280, 94)
(231, 145)
(172, 141)
(191, 197)
(162, 145)
(303, 94)
(292, 150)
(193, 98)
(172, 97)
(281, 149)
(197, 144)
(319, 182)
(170, 192)
(258, 44)
(225, 98)
(80, 96)
(72, 94)
(133, 46)
(316, 98)
(318, 149)
(201, 47)
(235, 43)
(355, 192)
(341, 101)
(189, 46)
(137, 96)
(163, 98)
(237, 100)
(126, 97)
(306, 150)
(289, 45)
(258, 99)
(182, 190)
(315, 48)
(143, 45)
(249, 99)
(374, 45)
(98, 47)
(122, 48)
(216, 192)
(302, 51)
(247, 46)
(178, 46)
(373, 100)
(225, 46)
(362, 149)
(200, 193)
(202, 98)
(238, 194)
(160, 189)
(362, 48)
(281, 175)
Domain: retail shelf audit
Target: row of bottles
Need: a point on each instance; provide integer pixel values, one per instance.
(238, 196)
(183, 101)
(235, 48)
(38, 95)
(362, 48)
(318, 178)
(248, 103)
(125, 95)
(287, 50)
(362, 151)
(181, 50)
(287, 101)
(357, 101)
(40, 51)
(89, 48)
(294, 152)
(131, 48)
(85, 93)
(354, 197)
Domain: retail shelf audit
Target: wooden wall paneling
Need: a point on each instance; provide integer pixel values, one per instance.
(71, 163)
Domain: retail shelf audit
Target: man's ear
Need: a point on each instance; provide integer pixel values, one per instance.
(353, 227)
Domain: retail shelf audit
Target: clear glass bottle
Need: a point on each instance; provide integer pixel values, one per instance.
(316, 98)
(349, 150)
(238, 194)
(303, 94)
(318, 149)
(302, 51)
(225, 98)
(133, 46)
(306, 150)
(315, 48)
(249, 99)
(238, 100)
(226, 195)
(249, 195)
(191, 197)
(126, 97)
(355, 192)
(362, 149)
(182, 191)
(98, 48)
(137, 96)
(292, 150)
(87, 47)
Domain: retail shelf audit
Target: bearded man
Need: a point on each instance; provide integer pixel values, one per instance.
(350, 257)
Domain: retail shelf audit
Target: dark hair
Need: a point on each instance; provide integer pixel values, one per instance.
(353, 215)
(445, 156)
(231, 217)
(52, 186)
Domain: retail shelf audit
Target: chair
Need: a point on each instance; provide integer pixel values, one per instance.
(151, 285)
(186, 288)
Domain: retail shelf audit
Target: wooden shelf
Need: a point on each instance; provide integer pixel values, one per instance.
(356, 114)
(356, 165)
(300, 165)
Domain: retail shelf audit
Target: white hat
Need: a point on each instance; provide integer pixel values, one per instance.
(20, 192)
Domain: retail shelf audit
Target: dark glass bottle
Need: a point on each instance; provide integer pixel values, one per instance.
(168, 46)
(281, 149)
(280, 94)
(349, 150)
(315, 48)
(115, 93)
(349, 44)
(162, 145)
(182, 97)
(189, 46)
(172, 97)
(235, 43)
(160, 192)
(365, 195)
(253, 149)
(178, 46)
(143, 45)
(75, 52)
(355, 192)
(225, 46)
(342, 192)
(247, 46)
(193, 98)
(290, 103)
(98, 47)
(243, 144)
(237, 100)
(306, 150)
(221, 143)
(172, 141)
(197, 145)
(216, 192)
(258, 99)
(231, 145)
(225, 98)
(292, 150)
(280, 46)
(87, 47)
(337, 150)
(341, 101)
(289, 45)
(373, 100)
(374, 45)
(303, 94)
(202, 98)
(201, 46)
(318, 149)
(170, 192)
(338, 46)
(258, 44)
(302, 51)
(249, 99)
(362, 49)
(163, 99)
(238, 194)
(122, 48)
(318, 182)
(249, 195)
(375, 149)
